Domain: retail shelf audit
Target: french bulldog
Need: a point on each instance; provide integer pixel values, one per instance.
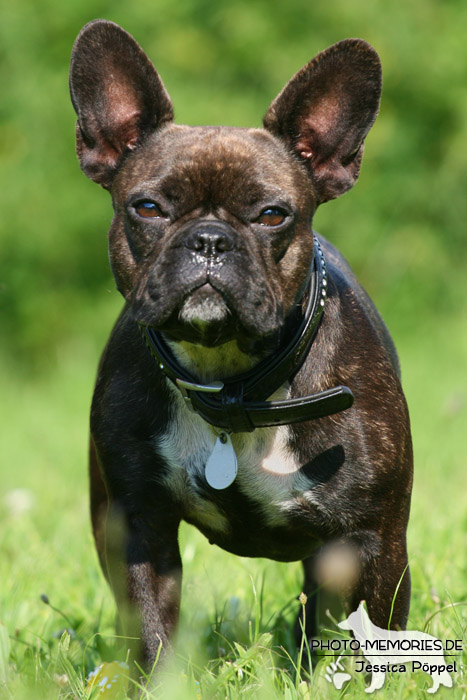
(249, 386)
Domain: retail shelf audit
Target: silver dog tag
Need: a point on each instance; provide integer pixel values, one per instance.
(221, 467)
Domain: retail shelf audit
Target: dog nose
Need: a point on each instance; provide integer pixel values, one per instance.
(209, 241)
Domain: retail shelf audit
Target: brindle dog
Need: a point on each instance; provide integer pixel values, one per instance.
(239, 419)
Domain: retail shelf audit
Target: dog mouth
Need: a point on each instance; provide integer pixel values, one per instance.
(203, 315)
(203, 306)
(211, 306)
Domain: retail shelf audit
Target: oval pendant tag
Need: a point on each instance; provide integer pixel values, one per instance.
(221, 467)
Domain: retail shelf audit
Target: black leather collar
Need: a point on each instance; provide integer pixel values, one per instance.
(238, 404)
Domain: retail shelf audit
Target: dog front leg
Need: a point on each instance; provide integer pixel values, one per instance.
(145, 573)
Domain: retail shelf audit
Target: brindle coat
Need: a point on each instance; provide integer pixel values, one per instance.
(343, 479)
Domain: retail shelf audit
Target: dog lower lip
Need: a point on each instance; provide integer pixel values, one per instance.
(204, 305)
(203, 317)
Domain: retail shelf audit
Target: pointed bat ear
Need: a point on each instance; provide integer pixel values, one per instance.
(118, 96)
(325, 112)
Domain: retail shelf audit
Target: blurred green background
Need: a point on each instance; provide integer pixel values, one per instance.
(402, 229)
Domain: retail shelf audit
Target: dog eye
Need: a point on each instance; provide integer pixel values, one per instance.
(147, 210)
(271, 216)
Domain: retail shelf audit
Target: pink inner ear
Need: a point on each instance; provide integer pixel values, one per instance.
(120, 132)
(123, 116)
(324, 113)
(127, 130)
(318, 127)
(113, 137)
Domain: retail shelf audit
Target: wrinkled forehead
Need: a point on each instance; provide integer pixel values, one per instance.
(216, 162)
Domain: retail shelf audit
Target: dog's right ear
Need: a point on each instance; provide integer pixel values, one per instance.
(118, 96)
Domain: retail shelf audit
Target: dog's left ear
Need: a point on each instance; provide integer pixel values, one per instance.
(326, 110)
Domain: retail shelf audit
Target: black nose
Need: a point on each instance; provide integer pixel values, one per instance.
(210, 240)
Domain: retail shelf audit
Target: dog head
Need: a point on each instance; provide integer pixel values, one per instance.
(211, 239)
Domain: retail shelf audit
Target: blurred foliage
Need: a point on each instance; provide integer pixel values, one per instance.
(403, 228)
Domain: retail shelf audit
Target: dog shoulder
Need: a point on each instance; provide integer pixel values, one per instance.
(348, 285)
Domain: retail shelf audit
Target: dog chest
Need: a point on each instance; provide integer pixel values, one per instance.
(268, 479)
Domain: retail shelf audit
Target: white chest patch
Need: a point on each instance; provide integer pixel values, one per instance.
(267, 474)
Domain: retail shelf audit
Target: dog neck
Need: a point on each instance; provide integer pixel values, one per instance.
(208, 364)
(239, 403)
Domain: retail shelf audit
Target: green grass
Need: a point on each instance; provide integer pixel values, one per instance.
(403, 229)
(237, 613)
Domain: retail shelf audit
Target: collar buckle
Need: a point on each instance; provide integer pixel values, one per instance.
(185, 387)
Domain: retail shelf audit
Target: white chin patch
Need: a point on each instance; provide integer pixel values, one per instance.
(201, 309)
